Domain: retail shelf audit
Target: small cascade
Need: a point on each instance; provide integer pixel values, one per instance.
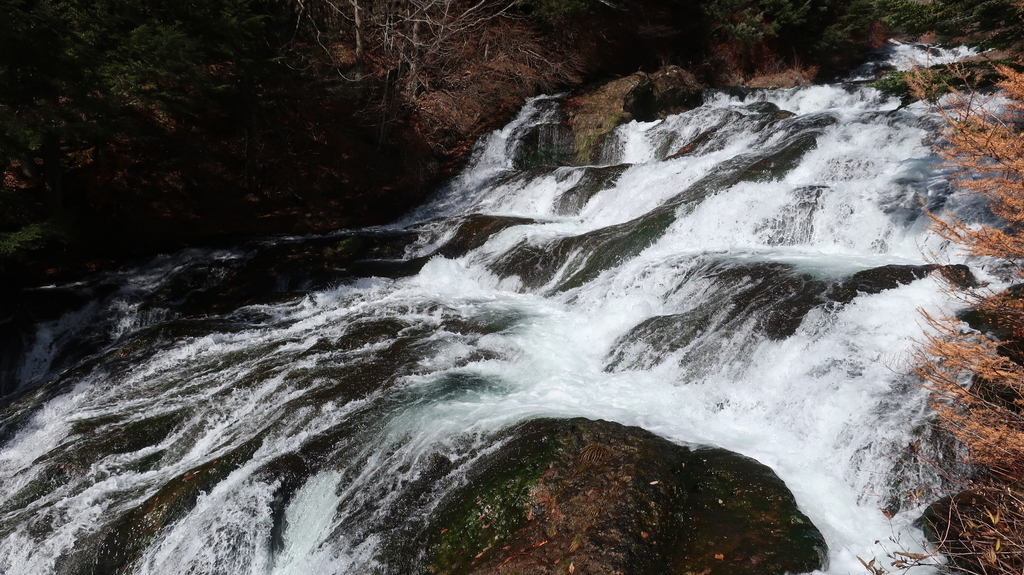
(903, 56)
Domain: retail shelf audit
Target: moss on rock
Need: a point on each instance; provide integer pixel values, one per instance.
(741, 518)
(496, 503)
(593, 114)
(597, 497)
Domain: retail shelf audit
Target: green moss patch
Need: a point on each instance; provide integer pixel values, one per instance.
(478, 519)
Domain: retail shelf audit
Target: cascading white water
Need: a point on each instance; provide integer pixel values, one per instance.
(688, 295)
(905, 56)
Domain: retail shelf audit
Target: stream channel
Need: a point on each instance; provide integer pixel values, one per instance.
(746, 275)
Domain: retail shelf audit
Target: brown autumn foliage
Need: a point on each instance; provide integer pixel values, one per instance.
(976, 374)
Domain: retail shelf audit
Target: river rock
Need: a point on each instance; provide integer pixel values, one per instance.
(675, 91)
(877, 280)
(595, 497)
(594, 180)
(640, 96)
(546, 145)
(785, 79)
(128, 538)
(474, 231)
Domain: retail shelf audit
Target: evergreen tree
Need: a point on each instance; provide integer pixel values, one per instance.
(76, 72)
(814, 30)
(988, 23)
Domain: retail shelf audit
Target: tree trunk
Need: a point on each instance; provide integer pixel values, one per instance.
(52, 171)
(360, 49)
(412, 84)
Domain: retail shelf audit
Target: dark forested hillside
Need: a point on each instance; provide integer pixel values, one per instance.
(129, 126)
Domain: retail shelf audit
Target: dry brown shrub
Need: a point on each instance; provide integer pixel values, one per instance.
(481, 74)
(987, 148)
(980, 530)
(976, 376)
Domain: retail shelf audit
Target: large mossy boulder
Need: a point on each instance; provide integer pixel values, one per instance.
(594, 497)
(593, 114)
(596, 112)
(673, 91)
(577, 127)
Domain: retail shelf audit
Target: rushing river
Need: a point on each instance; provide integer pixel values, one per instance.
(696, 283)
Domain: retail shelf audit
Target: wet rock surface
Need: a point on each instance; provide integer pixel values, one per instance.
(767, 298)
(595, 497)
(594, 180)
(640, 96)
(579, 259)
(193, 288)
(878, 279)
(549, 144)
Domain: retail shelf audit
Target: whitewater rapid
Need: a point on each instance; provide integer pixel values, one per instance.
(574, 308)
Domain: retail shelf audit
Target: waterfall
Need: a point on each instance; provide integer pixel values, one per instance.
(723, 277)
